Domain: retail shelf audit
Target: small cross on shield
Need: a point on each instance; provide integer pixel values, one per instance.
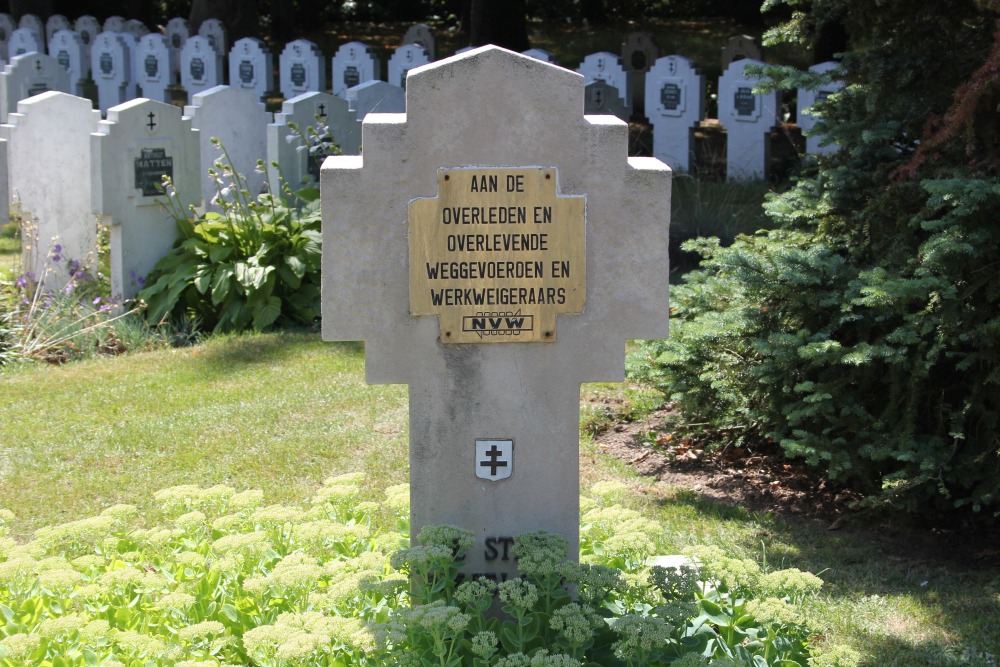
(494, 459)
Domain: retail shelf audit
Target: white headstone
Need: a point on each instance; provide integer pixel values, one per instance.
(675, 103)
(27, 75)
(739, 47)
(540, 54)
(236, 118)
(376, 97)
(639, 52)
(748, 119)
(403, 60)
(111, 69)
(67, 47)
(140, 142)
(177, 33)
(136, 28)
(89, 28)
(113, 24)
(495, 388)
(302, 69)
(152, 67)
(354, 63)
(600, 97)
(132, 46)
(607, 67)
(421, 34)
(216, 33)
(50, 169)
(290, 148)
(201, 66)
(251, 67)
(7, 28)
(24, 40)
(54, 24)
(806, 99)
(35, 24)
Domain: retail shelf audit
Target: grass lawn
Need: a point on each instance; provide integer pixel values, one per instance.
(10, 249)
(280, 412)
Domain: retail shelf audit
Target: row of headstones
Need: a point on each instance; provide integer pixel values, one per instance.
(62, 164)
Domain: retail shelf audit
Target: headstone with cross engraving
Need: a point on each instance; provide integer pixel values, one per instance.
(152, 67)
(251, 67)
(140, 142)
(236, 118)
(177, 33)
(739, 47)
(354, 63)
(35, 24)
(54, 24)
(88, 27)
(494, 251)
(607, 67)
(748, 118)
(111, 69)
(540, 54)
(215, 30)
(816, 142)
(201, 66)
(302, 69)
(675, 104)
(403, 60)
(290, 148)
(376, 97)
(24, 40)
(27, 75)
(7, 28)
(49, 153)
(600, 97)
(114, 24)
(421, 34)
(639, 52)
(67, 47)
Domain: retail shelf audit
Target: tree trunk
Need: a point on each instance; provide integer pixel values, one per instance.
(500, 22)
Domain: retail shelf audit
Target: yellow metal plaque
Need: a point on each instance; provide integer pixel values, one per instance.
(497, 255)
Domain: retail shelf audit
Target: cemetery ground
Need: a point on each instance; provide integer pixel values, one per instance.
(281, 412)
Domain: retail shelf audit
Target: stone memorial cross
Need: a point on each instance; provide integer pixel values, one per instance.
(494, 248)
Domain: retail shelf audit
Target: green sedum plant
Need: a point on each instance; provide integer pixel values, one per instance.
(253, 264)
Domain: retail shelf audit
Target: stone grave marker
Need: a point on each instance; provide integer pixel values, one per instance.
(495, 327)
(639, 52)
(540, 54)
(607, 67)
(88, 28)
(111, 69)
(421, 34)
(131, 45)
(748, 119)
(7, 28)
(139, 142)
(34, 23)
(136, 28)
(49, 157)
(675, 104)
(600, 97)
(739, 47)
(354, 63)
(237, 118)
(201, 66)
(152, 67)
(114, 24)
(24, 40)
(403, 60)
(54, 24)
(251, 67)
(377, 97)
(67, 47)
(291, 151)
(27, 75)
(216, 33)
(302, 69)
(806, 99)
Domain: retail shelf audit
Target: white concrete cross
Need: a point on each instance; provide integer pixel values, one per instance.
(494, 189)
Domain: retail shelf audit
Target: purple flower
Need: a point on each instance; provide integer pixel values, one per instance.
(141, 280)
(97, 301)
(56, 258)
(22, 281)
(74, 266)
(57, 248)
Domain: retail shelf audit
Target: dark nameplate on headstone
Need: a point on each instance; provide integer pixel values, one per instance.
(744, 101)
(246, 71)
(670, 96)
(150, 168)
(822, 95)
(298, 74)
(107, 63)
(63, 58)
(197, 69)
(351, 76)
(175, 40)
(152, 65)
(38, 89)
